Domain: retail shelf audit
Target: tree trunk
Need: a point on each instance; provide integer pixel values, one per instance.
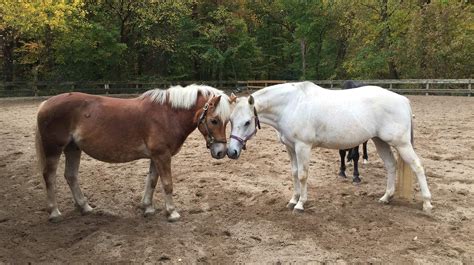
(48, 45)
(384, 42)
(303, 57)
(8, 47)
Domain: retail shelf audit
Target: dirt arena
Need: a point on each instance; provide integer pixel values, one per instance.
(234, 211)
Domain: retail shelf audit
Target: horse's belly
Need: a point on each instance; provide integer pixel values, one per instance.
(339, 145)
(114, 156)
(112, 150)
(341, 139)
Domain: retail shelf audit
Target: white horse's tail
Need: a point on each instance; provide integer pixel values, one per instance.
(405, 175)
(40, 156)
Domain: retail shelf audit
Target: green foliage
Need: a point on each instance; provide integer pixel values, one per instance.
(231, 40)
(92, 52)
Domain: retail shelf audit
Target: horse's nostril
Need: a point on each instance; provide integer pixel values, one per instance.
(219, 154)
(235, 153)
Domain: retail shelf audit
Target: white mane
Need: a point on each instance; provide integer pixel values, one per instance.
(186, 97)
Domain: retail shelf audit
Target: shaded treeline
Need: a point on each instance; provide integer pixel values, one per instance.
(235, 39)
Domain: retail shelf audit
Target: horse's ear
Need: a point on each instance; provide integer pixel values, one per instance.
(232, 98)
(251, 100)
(215, 100)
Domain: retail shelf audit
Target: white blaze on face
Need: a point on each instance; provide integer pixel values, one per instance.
(242, 126)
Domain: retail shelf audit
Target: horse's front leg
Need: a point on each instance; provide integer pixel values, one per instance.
(303, 153)
(296, 182)
(163, 165)
(151, 180)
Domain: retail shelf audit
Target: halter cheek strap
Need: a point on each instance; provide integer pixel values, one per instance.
(243, 141)
(210, 139)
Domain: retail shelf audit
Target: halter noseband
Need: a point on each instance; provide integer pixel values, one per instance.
(243, 141)
(210, 139)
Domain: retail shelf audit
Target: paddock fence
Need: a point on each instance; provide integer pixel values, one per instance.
(453, 87)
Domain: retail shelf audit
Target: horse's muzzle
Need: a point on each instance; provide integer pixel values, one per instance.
(233, 153)
(218, 150)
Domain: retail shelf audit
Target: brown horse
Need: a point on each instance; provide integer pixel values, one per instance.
(154, 125)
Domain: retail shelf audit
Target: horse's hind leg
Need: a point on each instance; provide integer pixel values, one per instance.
(390, 165)
(147, 200)
(296, 182)
(73, 158)
(365, 156)
(355, 158)
(342, 169)
(409, 156)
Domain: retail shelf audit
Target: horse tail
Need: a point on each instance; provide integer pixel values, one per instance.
(404, 173)
(40, 155)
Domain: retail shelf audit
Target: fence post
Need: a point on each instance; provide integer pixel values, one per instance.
(106, 87)
(35, 88)
(390, 86)
(427, 87)
(469, 88)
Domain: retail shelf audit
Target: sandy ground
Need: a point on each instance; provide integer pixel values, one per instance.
(234, 211)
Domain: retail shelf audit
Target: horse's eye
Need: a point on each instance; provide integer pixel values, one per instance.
(214, 121)
(247, 123)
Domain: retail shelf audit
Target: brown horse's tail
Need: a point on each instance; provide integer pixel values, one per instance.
(40, 156)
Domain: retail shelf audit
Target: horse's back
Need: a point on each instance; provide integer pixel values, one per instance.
(387, 113)
(91, 121)
(324, 116)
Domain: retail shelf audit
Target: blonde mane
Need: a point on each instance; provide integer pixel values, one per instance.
(185, 97)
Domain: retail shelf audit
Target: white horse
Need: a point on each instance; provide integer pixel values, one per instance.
(306, 116)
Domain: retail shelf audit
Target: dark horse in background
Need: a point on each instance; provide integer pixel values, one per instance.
(353, 153)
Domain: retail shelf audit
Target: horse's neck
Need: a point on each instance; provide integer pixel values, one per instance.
(183, 120)
(189, 121)
(270, 105)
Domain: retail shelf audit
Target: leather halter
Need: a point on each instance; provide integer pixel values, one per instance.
(243, 141)
(210, 139)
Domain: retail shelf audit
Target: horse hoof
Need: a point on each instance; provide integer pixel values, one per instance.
(356, 180)
(342, 175)
(427, 207)
(365, 161)
(291, 205)
(149, 212)
(384, 200)
(55, 218)
(298, 211)
(174, 216)
(87, 209)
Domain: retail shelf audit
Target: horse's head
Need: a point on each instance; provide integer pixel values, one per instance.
(244, 123)
(212, 127)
